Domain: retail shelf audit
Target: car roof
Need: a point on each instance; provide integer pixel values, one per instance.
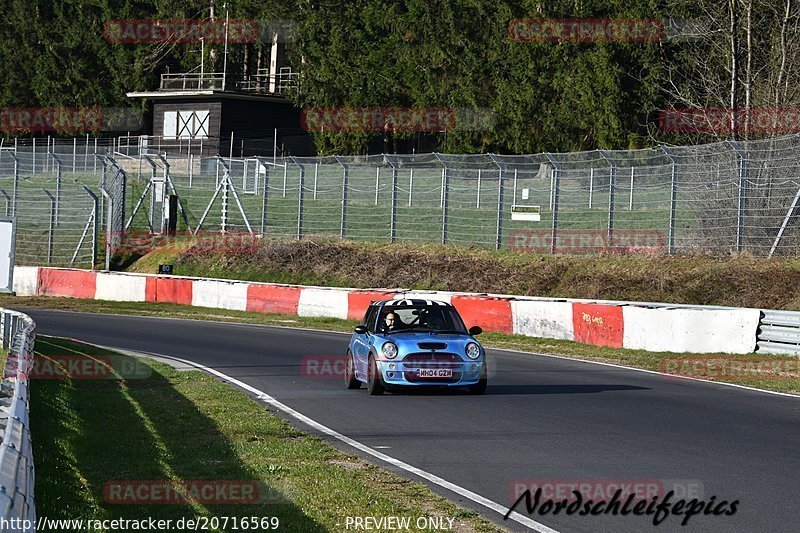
(414, 302)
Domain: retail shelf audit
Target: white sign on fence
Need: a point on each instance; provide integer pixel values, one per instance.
(8, 235)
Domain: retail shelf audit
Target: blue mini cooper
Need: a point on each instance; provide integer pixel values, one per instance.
(413, 343)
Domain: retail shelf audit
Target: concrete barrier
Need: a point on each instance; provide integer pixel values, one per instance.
(220, 294)
(691, 330)
(550, 320)
(323, 302)
(635, 325)
(120, 288)
(26, 281)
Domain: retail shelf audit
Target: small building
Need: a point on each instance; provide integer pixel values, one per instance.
(205, 114)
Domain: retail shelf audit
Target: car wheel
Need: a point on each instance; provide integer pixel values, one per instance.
(350, 380)
(374, 381)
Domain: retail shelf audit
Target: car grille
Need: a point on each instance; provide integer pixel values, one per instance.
(428, 357)
(432, 345)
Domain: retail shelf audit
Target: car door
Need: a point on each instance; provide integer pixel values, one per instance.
(361, 342)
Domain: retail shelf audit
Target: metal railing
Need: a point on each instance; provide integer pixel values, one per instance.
(719, 198)
(779, 332)
(192, 81)
(16, 454)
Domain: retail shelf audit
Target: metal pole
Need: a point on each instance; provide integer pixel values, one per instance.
(74, 153)
(514, 194)
(393, 219)
(275, 146)
(264, 201)
(591, 186)
(284, 179)
(51, 226)
(673, 199)
(410, 186)
(478, 201)
(191, 169)
(33, 171)
(110, 203)
(630, 203)
(741, 205)
(612, 188)
(316, 175)
(57, 162)
(300, 199)
(345, 177)
(377, 182)
(556, 180)
(500, 192)
(7, 198)
(94, 169)
(230, 155)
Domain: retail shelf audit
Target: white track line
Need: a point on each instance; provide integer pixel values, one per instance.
(436, 480)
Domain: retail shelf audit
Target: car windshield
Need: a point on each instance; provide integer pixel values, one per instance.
(434, 318)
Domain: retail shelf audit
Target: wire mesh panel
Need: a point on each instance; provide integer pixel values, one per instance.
(718, 198)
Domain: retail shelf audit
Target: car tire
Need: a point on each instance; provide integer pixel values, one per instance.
(350, 380)
(374, 380)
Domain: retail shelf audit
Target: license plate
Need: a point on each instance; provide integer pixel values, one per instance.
(435, 373)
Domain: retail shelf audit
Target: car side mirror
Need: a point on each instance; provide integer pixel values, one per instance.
(361, 330)
(475, 330)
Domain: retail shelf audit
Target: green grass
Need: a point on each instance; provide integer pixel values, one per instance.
(633, 358)
(185, 425)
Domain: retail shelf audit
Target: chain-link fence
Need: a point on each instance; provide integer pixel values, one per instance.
(717, 198)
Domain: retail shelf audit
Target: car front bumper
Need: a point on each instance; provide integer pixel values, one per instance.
(407, 373)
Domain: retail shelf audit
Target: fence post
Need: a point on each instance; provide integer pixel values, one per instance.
(316, 175)
(500, 200)
(741, 204)
(556, 176)
(377, 182)
(630, 203)
(7, 198)
(591, 186)
(393, 213)
(33, 165)
(264, 200)
(74, 153)
(110, 204)
(300, 198)
(57, 162)
(51, 227)
(445, 197)
(16, 184)
(345, 176)
(612, 189)
(410, 186)
(478, 201)
(673, 199)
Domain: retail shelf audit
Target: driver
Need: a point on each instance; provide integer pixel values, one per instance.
(391, 322)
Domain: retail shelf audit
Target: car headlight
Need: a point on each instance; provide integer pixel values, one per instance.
(473, 350)
(389, 350)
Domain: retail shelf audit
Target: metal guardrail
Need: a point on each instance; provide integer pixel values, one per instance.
(17, 506)
(779, 332)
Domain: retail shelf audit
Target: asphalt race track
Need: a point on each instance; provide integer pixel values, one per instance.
(542, 418)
